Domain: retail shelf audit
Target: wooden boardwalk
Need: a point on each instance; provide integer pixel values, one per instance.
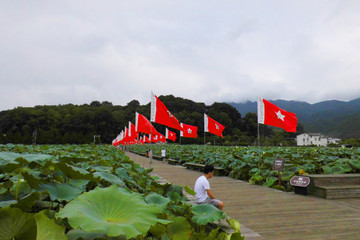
(267, 213)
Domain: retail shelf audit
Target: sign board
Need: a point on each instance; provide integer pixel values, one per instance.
(278, 164)
(299, 181)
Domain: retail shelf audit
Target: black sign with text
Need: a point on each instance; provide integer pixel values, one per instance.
(278, 164)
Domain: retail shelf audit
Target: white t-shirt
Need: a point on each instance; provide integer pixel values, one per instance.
(163, 152)
(200, 187)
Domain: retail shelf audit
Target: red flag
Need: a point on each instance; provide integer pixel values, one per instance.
(212, 126)
(270, 114)
(146, 139)
(170, 135)
(188, 131)
(161, 138)
(154, 138)
(143, 125)
(142, 141)
(160, 114)
(132, 134)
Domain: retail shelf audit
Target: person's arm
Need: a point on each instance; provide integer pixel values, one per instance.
(210, 194)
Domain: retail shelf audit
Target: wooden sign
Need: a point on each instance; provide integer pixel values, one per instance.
(278, 164)
(299, 181)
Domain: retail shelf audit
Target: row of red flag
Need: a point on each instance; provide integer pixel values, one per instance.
(268, 114)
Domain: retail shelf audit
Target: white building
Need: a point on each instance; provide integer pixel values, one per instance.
(317, 139)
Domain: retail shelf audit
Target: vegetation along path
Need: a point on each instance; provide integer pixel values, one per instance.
(268, 213)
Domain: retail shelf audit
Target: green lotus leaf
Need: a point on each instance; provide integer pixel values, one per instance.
(234, 224)
(338, 170)
(326, 169)
(15, 224)
(122, 173)
(7, 203)
(157, 199)
(102, 169)
(206, 213)
(256, 178)
(189, 190)
(178, 230)
(270, 181)
(111, 178)
(26, 202)
(47, 229)
(355, 163)
(61, 192)
(76, 234)
(74, 172)
(174, 196)
(286, 176)
(79, 183)
(33, 178)
(111, 211)
(236, 236)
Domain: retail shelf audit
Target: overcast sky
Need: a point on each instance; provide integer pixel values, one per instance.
(60, 52)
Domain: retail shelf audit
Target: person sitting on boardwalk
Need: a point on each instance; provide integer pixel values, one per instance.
(202, 188)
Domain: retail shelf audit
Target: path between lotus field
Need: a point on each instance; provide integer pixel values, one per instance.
(266, 213)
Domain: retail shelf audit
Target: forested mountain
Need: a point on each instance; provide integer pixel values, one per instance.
(333, 118)
(80, 123)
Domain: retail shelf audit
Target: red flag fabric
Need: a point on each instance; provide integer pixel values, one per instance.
(143, 125)
(142, 141)
(170, 135)
(154, 138)
(161, 138)
(160, 114)
(132, 134)
(212, 126)
(188, 131)
(146, 139)
(270, 114)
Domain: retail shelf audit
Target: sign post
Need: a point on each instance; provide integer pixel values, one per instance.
(300, 183)
(279, 165)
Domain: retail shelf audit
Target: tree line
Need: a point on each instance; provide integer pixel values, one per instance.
(101, 122)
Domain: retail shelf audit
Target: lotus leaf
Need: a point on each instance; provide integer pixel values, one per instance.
(33, 178)
(111, 211)
(15, 224)
(47, 229)
(234, 224)
(75, 172)
(189, 190)
(178, 230)
(26, 202)
(270, 181)
(76, 234)
(158, 230)
(122, 173)
(61, 192)
(111, 178)
(206, 213)
(355, 163)
(157, 199)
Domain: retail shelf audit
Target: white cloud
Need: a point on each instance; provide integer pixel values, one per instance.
(80, 51)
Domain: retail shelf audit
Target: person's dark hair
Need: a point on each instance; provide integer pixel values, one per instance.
(208, 168)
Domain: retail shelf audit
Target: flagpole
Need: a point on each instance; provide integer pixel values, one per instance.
(258, 133)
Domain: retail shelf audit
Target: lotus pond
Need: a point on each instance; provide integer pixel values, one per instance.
(95, 192)
(255, 164)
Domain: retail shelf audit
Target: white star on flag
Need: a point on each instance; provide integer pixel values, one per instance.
(280, 116)
(189, 131)
(170, 115)
(217, 126)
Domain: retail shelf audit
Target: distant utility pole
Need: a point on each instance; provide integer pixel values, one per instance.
(96, 136)
(34, 137)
